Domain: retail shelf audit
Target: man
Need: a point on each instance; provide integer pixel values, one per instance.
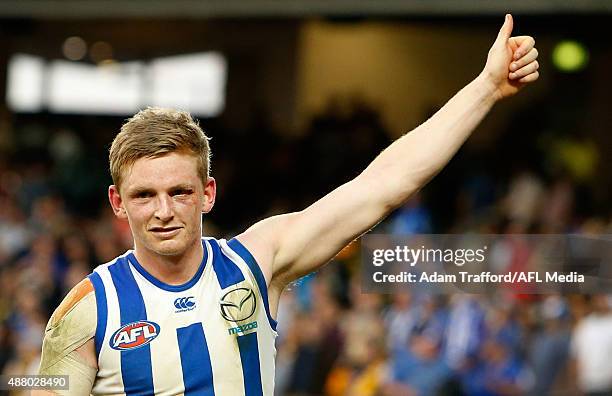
(185, 314)
(590, 348)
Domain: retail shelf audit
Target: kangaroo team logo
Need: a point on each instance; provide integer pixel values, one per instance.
(238, 304)
(134, 335)
(183, 304)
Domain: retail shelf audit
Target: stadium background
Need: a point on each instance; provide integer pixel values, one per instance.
(313, 91)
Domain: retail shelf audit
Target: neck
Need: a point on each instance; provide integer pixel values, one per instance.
(173, 270)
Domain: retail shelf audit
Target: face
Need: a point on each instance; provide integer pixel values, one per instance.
(163, 199)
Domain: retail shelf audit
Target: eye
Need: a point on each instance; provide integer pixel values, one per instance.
(181, 191)
(143, 194)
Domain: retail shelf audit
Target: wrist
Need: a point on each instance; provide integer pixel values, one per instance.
(487, 86)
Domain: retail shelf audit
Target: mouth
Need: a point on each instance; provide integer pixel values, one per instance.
(165, 232)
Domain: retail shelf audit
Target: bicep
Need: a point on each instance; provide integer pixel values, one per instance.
(292, 245)
(81, 375)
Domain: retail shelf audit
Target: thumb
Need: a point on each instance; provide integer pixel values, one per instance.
(506, 30)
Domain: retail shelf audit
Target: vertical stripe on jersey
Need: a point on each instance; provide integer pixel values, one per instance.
(249, 356)
(102, 310)
(136, 369)
(228, 273)
(195, 361)
(248, 258)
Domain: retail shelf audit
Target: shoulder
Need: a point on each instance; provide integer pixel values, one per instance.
(263, 238)
(79, 293)
(72, 324)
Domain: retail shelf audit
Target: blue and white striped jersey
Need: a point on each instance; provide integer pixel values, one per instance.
(210, 336)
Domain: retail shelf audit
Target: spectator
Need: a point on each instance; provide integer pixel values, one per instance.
(592, 348)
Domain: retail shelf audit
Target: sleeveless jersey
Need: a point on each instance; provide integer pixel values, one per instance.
(210, 336)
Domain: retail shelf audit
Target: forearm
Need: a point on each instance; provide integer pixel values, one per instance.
(412, 160)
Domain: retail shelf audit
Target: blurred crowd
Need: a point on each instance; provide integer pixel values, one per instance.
(462, 344)
(55, 227)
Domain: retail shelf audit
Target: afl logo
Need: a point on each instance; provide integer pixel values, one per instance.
(134, 335)
(238, 304)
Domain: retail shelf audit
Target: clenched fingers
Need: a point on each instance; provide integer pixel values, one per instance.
(525, 60)
(525, 44)
(530, 77)
(530, 68)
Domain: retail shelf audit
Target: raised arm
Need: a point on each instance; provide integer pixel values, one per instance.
(289, 246)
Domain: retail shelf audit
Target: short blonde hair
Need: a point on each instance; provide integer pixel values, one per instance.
(154, 132)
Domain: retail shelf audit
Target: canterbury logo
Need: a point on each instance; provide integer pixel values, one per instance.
(238, 304)
(184, 303)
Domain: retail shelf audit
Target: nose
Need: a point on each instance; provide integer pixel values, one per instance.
(164, 211)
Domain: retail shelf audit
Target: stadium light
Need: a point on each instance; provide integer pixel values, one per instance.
(570, 56)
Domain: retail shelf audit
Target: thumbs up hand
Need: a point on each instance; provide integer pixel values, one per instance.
(511, 62)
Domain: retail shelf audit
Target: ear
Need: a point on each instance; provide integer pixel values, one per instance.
(210, 193)
(116, 202)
